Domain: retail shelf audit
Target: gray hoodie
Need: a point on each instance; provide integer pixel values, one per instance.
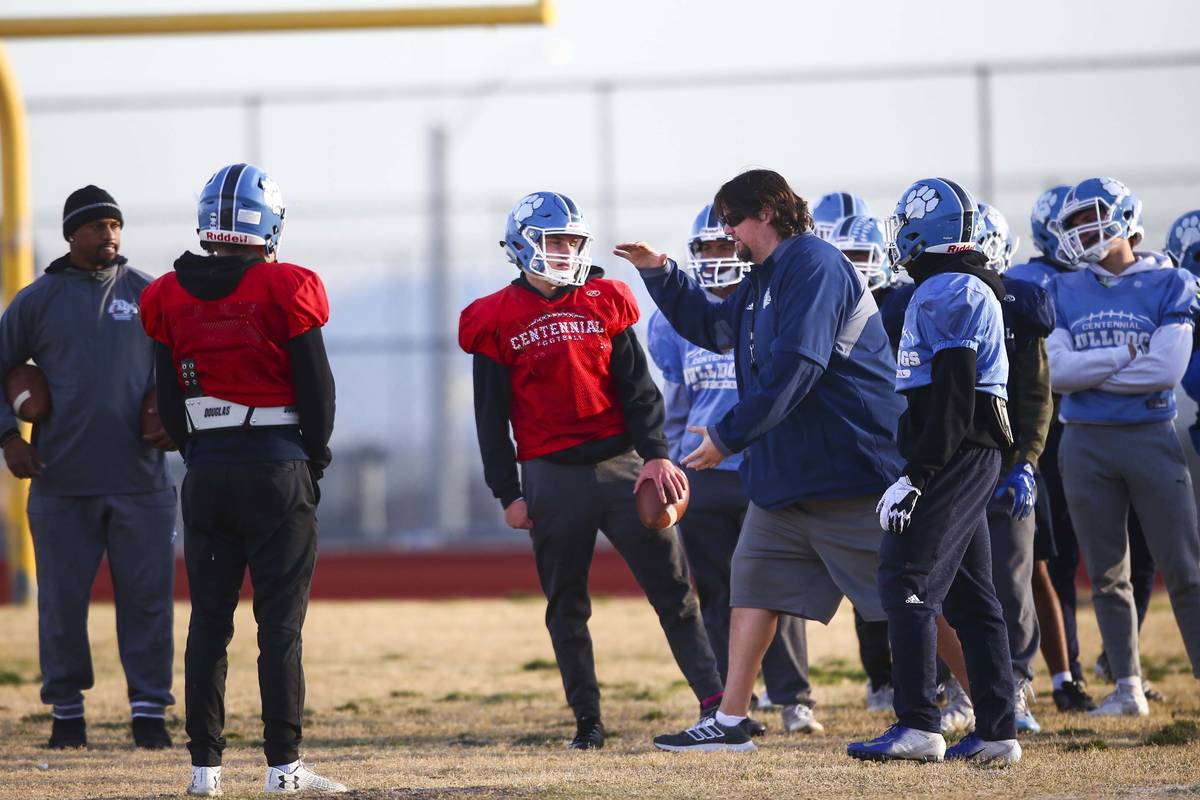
(82, 329)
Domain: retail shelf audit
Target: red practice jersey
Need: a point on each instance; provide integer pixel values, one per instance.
(558, 354)
(239, 341)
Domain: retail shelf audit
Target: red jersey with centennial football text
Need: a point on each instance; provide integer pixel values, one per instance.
(239, 341)
(558, 354)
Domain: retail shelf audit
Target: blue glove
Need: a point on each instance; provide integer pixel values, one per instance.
(1020, 482)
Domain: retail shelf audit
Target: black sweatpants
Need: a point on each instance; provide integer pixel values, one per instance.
(710, 531)
(943, 563)
(261, 516)
(567, 505)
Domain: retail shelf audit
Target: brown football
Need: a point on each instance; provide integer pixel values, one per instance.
(655, 514)
(28, 393)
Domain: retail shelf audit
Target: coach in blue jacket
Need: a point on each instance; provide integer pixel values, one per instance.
(816, 415)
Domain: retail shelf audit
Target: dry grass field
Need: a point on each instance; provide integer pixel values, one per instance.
(460, 699)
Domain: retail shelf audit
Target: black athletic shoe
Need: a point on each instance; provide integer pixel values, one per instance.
(1072, 697)
(67, 733)
(589, 734)
(150, 733)
(1152, 695)
(705, 736)
(753, 727)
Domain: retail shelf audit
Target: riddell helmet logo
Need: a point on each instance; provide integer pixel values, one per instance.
(960, 248)
(224, 236)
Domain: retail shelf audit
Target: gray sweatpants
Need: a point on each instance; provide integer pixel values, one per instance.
(70, 536)
(1012, 575)
(1104, 469)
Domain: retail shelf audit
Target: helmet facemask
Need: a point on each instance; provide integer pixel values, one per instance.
(1089, 229)
(560, 269)
(714, 272)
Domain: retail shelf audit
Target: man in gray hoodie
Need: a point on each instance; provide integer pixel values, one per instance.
(98, 484)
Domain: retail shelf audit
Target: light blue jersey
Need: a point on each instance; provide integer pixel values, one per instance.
(1128, 311)
(702, 387)
(949, 310)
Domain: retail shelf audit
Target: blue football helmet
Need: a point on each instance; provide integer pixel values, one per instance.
(712, 272)
(241, 205)
(1041, 220)
(934, 215)
(862, 239)
(1094, 214)
(542, 214)
(1183, 242)
(834, 207)
(996, 239)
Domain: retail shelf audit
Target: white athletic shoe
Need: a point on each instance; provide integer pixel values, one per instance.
(1000, 753)
(799, 718)
(300, 779)
(880, 699)
(958, 715)
(206, 782)
(1026, 721)
(899, 743)
(1126, 701)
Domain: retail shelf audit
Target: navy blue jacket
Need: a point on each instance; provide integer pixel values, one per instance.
(817, 409)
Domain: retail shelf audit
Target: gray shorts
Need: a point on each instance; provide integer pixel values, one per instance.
(802, 559)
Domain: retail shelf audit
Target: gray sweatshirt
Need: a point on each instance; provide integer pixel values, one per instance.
(82, 329)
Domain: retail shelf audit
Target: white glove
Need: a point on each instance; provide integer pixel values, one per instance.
(896, 506)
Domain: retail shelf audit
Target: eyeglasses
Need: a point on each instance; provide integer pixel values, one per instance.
(731, 219)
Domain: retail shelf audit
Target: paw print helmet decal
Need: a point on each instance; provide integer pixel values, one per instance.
(934, 215)
(1094, 214)
(996, 239)
(1183, 242)
(537, 216)
(1045, 211)
(833, 208)
(863, 241)
(710, 271)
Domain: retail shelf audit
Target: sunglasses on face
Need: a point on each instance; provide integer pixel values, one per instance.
(731, 219)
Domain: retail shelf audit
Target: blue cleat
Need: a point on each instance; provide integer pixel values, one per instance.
(899, 743)
(1000, 753)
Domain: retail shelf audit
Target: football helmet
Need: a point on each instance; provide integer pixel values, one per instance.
(862, 239)
(1183, 242)
(934, 215)
(240, 205)
(996, 239)
(1116, 214)
(537, 216)
(1041, 220)
(712, 272)
(833, 207)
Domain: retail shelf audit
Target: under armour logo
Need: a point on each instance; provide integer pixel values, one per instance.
(913, 600)
(284, 778)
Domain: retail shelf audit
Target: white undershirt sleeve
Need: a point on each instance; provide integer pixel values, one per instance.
(1074, 370)
(1160, 368)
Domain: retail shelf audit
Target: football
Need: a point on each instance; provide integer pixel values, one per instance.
(28, 393)
(654, 513)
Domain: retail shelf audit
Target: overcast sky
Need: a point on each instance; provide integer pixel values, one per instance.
(345, 168)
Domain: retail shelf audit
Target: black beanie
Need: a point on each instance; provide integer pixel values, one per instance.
(87, 205)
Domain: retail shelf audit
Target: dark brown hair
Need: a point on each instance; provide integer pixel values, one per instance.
(756, 189)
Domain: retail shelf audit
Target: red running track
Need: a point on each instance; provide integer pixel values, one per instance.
(424, 575)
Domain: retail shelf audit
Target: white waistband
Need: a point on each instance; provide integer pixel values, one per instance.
(213, 413)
